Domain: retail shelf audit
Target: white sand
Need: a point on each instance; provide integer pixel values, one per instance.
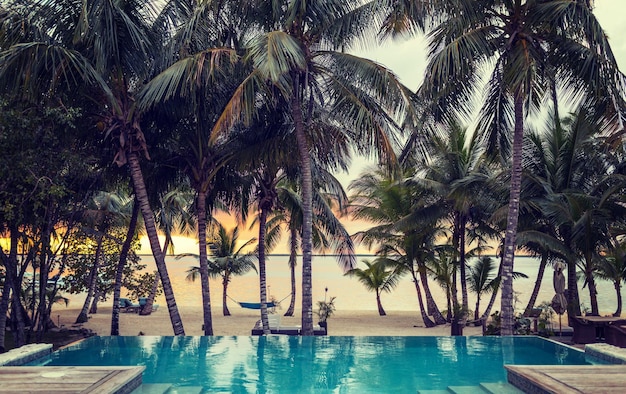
(350, 323)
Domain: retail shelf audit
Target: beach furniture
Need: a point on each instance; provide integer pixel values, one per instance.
(277, 329)
(128, 306)
(584, 330)
(615, 333)
(143, 301)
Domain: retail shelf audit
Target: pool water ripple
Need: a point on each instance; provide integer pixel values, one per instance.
(278, 364)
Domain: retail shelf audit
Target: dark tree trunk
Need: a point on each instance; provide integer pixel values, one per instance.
(307, 216)
(93, 280)
(262, 274)
(494, 295)
(535, 293)
(149, 305)
(510, 237)
(293, 256)
(119, 271)
(427, 322)
(225, 309)
(618, 292)
(149, 223)
(432, 308)
(381, 311)
(204, 264)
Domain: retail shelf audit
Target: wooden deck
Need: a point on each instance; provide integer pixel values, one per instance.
(566, 379)
(119, 380)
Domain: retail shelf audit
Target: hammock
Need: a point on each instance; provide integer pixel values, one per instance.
(257, 305)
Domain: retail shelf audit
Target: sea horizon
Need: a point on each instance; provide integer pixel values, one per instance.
(349, 293)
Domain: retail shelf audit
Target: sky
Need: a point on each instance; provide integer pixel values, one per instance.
(407, 59)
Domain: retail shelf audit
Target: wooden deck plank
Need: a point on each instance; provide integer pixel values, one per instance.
(566, 379)
(57, 380)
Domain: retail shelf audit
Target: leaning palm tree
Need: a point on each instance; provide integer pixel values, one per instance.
(377, 277)
(227, 260)
(529, 50)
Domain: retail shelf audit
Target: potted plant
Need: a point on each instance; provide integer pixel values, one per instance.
(325, 309)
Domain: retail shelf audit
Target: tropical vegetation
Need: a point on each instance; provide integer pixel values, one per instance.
(121, 118)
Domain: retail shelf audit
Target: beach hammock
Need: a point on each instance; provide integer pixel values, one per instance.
(257, 305)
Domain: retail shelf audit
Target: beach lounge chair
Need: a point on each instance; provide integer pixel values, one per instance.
(277, 329)
(615, 333)
(127, 306)
(584, 331)
(143, 301)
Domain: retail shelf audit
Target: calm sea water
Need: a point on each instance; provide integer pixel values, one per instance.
(293, 364)
(350, 294)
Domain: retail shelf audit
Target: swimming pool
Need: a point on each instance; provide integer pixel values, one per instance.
(318, 364)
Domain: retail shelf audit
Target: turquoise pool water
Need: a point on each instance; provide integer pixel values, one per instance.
(318, 364)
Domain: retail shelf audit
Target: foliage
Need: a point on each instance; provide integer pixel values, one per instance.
(325, 309)
(79, 261)
(522, 325)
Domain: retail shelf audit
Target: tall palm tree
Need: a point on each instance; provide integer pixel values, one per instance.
(530, 49)
(297, 57)
(457, 172)
(377, 277)
(105, 48)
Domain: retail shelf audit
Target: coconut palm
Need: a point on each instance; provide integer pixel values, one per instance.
(377, 277)
(457, 172)
(529, 50)
(405, 227)
(227, 259)
(104, 48)
(612, 267)
(297, 56)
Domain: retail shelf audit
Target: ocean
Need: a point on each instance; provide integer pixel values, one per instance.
(349, 292)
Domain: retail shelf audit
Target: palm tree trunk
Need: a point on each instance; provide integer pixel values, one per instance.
(573, 299)
(94, 302)
(307, 216)
(204, 264)
(149, 223)
(510, 237)
(147, 308)
(293, 256)
(463, 267)
(535, 293)
(262, 274)
(593, 294)
(381, 311)
(494, 294)
(93, 279)
(225, 310)
(618, 292)
(431, 304)
(427, 322)
(119, 271)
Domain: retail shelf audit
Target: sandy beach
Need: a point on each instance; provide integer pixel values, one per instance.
(348, 323)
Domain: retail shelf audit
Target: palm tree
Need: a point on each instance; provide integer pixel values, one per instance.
(530, 49)
(227, 259)
(105, 210)
(102, 46)
(613, 267)
(377, 278)
(405, 226)
(457, 172)
(481, 280)
(296, 58)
